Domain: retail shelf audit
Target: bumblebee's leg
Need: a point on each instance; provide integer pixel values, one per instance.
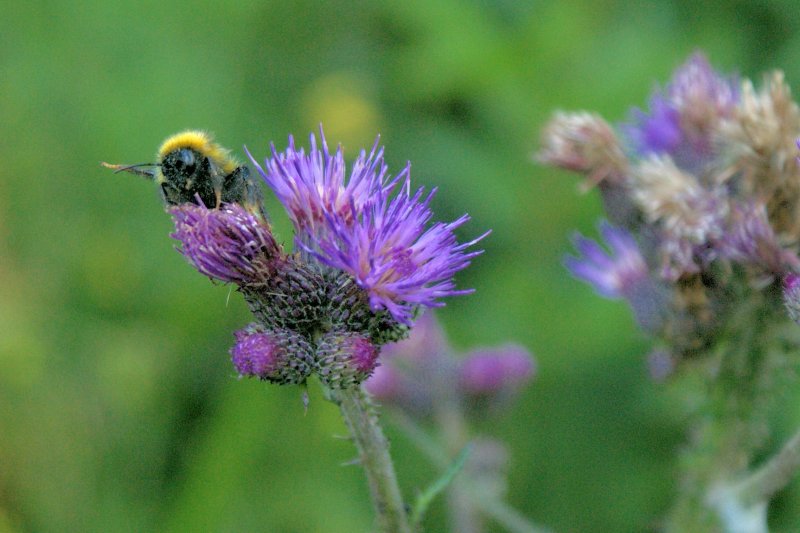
(253, 197)
(170, 194)
(233, 186)
(217, 184)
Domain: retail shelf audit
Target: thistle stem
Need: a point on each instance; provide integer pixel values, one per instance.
(373, 448)
(743, 506)
(774, 475)
(721, 491)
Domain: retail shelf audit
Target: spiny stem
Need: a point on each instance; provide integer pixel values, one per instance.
(373, 448)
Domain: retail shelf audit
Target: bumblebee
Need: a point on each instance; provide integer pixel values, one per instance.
(191, 166)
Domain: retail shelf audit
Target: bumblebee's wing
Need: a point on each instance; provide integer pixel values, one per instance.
(241, 188)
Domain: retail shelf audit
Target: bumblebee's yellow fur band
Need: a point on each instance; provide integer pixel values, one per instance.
(201, 142)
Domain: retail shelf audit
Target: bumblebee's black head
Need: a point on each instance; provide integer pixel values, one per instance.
(186, 174)
(192, 165)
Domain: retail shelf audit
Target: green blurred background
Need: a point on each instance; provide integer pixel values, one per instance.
(119, 409)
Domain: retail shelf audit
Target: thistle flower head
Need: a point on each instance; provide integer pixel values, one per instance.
(762, 138)
(278, 356)
(228, 244)
(751, 241)
(496, 370)
(684, 118)
(314, 185)
(656, 132)
(677, 201)
(345, 359)
(613, 275)
(583, 142)
(369, 226)
(391, 255)
(701, 94)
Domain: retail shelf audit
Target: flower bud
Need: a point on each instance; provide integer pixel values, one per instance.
(277, 356)
(497, 370)
(345, 359)
(583, 142)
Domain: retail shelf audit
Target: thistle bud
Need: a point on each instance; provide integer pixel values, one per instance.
(345, 359)
(278, 356)
(583, 142)
(496, 371)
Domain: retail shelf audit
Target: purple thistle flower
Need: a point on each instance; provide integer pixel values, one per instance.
(385, 383)
(682, 119)
(313, 186)
(699, 91)
(228, 244)
(489, 371)
(751, 241)
(369, 226)
(614, 275)
(388, 252)
(656, 132)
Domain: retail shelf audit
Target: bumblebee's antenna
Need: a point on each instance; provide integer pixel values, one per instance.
(134, 169)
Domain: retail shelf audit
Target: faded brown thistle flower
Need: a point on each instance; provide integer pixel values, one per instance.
(763, 133)
(676, 200)
(583, 142)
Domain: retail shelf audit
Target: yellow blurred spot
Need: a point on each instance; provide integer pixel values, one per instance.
(341, 103)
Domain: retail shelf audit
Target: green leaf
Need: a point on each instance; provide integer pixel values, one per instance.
(427, 496)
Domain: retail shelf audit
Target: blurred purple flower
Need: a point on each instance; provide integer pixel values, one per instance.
(791, 295)
(752, 241)
(494, 370)
(612, 275)
(682, 119)
(699, 91)
(385, 383)
(657, 131)
(660, 364)
(425, 341)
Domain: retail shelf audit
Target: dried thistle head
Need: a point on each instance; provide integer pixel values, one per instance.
(676, 200)
(762, 136)
(583, 142)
